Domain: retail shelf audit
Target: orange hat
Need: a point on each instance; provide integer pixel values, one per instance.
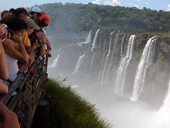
(45, 18)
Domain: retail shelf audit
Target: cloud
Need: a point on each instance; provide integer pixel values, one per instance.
(135, 5)
(168, 7)
(146, 3)
(107, 2)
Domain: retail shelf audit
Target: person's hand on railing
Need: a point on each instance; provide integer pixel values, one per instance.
(8, 118)
(31, 58)
(48, 53)
(36, 45)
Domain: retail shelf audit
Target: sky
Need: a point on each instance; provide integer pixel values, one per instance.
(152, 4)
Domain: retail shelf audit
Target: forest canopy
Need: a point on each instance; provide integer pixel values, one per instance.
(82, 17)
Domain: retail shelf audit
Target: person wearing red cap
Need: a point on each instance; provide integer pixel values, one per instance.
(43, 22)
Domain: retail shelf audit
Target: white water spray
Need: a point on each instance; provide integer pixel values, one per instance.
(91, 64)
(94, 41)
(115, 42)
(122, 43)
(121, 72)
(55, 62)
(88, 39)
(162, 119)
(106, 60)
(145, 61)
(78, 64)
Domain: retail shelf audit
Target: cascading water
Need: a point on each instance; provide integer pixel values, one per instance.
(113, 50)
(145, 61)
(162, 119)
(85, 68)
(121, 72)
(121, 48)
(92, 48)
(95, 40)
(91, 64)
(109, 71)
(106, 60)
(78, 64)
(55, 62)
(116, 42)
(88, 39)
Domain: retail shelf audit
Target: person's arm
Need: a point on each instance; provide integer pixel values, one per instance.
(3, 89)
(19, 54)
(3, 64)
(42, 37)
(49, 45)
(9, 118)
(30, 52)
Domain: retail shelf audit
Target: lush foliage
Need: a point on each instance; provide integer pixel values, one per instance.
(68, 110)
(79, 17)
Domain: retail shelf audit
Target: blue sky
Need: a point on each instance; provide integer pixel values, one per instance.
(152, 4)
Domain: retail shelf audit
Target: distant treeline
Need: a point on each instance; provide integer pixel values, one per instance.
(82, 17)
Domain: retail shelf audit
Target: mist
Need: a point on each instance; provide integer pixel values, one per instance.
(92, 69)
(113, 61)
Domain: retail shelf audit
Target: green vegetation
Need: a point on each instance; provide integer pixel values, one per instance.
(82, 17)
(70, 23)
(68, 110)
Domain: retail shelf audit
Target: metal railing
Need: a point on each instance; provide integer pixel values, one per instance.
(26, 91)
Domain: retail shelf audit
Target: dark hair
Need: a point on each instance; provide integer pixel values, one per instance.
(42, 23)
(12, 10)
(15, 24)
(2, 13)
(38, 13)
(19, 11)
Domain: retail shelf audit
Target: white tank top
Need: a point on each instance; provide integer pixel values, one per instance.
(12, 67)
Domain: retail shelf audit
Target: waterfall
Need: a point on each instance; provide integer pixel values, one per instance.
(121, 72)
(111, 61)
(55, 62)
(79, 62)
(162, 119)
(91, 64)
(115, 42)
(122, 43)
(113, 50)
(145, 61)
(93, 47)
(106, 60)
(94, 41)
(88, 39)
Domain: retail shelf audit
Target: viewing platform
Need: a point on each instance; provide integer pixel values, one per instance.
(27, 90)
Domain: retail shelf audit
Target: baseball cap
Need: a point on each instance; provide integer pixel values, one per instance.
(32, 24)
(45, 18)
(36, 9)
